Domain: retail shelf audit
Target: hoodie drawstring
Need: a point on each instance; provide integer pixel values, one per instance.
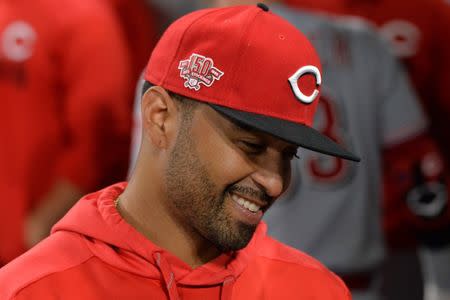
(227, 288)
(168, 276)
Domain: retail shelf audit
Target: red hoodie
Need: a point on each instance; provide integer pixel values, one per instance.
(93, 253)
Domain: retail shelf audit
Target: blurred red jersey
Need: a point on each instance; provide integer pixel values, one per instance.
(63, 84)
(140, 23)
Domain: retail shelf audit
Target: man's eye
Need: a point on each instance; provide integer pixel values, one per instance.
(252, 147)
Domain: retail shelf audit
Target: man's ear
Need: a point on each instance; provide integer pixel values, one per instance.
(159, 116)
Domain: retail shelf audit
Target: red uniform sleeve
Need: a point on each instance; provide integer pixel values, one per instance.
(140, 23)
(415, 206)
(96, 110)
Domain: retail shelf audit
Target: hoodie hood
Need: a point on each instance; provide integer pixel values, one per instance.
(118, 244)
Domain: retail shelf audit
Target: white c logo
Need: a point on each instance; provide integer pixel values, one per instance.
(18, 41)
(293, 81)
(403, 36)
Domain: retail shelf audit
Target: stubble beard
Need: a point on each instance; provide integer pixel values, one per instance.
(197, 201)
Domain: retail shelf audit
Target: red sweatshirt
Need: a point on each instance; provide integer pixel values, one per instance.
(93, 253)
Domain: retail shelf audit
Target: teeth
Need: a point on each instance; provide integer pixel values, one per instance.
(247, 204)
(253, 207)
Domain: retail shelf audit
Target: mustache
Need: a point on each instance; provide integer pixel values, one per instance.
(252, 193)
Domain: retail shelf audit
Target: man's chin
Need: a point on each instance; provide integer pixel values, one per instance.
(240, 238)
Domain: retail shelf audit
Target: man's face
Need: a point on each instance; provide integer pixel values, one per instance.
(221, 177)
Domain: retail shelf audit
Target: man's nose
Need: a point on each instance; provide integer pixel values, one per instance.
(272, 176)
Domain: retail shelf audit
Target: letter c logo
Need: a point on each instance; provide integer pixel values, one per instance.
(293, 81)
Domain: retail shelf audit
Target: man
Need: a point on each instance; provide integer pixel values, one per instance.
(188, 223)
(332, 210)
(55, 120)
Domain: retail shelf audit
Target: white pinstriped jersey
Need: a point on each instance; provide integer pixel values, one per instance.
(332, 208)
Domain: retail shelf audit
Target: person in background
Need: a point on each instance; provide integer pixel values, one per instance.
(417, 33)
(64, 74)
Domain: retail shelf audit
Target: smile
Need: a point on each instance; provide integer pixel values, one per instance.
(245, 203)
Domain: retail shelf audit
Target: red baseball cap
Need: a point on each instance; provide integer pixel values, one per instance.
(250, 65)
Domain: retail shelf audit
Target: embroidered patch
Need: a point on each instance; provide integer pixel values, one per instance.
(198, 69)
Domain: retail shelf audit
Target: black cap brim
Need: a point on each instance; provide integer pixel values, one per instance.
(298, 134)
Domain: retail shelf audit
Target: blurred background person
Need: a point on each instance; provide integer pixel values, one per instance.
(417, 33)
(64, 84)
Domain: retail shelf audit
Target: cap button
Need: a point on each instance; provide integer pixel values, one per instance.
(263, 6)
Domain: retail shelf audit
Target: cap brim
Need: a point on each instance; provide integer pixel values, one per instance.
(299, 134)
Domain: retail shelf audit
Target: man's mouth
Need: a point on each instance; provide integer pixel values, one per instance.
(245, 203)
(247, 209)
(249, 204)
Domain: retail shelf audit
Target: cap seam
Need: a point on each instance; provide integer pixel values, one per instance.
(181, 42)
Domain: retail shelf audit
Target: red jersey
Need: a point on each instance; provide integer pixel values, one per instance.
(93, 253)
(63, 85)
(140, 25)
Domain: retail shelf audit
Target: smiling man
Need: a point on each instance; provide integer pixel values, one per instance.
(230, 94)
